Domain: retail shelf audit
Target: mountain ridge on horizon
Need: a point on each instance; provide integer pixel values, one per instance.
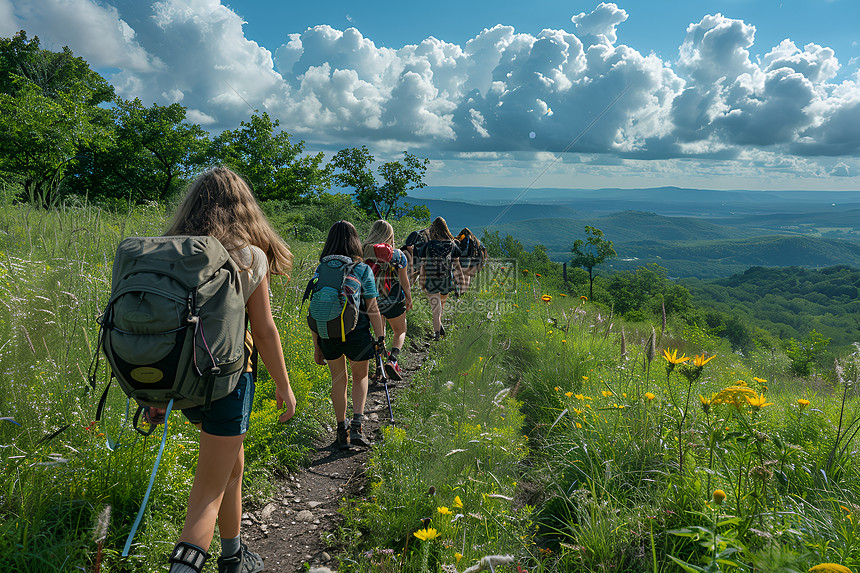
(491, 195)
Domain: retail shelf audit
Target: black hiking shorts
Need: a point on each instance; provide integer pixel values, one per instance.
(357, 347)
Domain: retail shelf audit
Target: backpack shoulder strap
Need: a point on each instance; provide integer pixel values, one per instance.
(348, 269)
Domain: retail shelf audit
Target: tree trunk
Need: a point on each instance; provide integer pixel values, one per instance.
(590, 283)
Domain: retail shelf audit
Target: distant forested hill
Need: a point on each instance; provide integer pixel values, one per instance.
(790, 301)
(712, 259)
(459, 214)
(627, 226)
(686, 246)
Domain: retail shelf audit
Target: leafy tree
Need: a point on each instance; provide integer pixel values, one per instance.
(40, 137)
(48, 111)
(23, 62)
(151, 151)
(502, 247)
(803, 354)
(398, 178)
(272, 164)
(591, 253)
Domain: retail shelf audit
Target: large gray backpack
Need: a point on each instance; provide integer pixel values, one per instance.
(174, 327)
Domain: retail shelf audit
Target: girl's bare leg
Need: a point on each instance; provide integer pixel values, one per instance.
(398, 325)
(359, 385)
(219, 459)
(337, 367)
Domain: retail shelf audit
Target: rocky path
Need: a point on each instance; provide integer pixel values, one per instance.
(299, 526)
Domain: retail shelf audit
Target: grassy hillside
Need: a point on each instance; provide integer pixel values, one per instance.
(561, 437)
(548, 429)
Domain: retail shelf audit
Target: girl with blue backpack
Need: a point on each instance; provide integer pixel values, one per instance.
(342, 309)
(220, 204)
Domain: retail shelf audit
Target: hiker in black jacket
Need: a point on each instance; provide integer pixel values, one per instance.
(440, 270)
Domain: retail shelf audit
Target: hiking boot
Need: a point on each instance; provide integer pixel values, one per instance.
(244, 561)
(392, 370)
(342, 440)
(356, 437)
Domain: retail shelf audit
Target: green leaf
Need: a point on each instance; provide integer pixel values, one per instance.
(686, 566)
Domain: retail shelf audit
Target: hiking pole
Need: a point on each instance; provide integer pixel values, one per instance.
(380, 373)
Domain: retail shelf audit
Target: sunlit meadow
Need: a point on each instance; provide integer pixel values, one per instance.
(543, 430)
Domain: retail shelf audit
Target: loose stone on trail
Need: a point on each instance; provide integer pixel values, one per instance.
(304, 515)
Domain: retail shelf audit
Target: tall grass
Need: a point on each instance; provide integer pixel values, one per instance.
(624, 449)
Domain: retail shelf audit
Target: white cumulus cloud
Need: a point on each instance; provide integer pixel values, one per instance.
(581, 90)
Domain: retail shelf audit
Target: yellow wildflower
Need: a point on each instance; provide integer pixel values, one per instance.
(829, 568)
(673, 358)
(719, 496)
(585, 377)
(759, 380)
(458, 503)
(758, 402)
(803, 403)
(700, 361)
(737, 396)
(568, 394)
(706, 403)
(649, 396)
(579, 396)
(557, 389)
(443, 510)
(426, 534)
(458, 556)
(606, 393)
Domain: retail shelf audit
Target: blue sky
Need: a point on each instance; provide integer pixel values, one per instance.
(657, 25)
(731, 94)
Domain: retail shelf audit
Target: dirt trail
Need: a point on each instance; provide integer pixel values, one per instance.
(300, 524)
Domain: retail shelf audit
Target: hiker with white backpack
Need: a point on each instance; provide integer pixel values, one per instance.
(440, 270)
(342, 309)
(218, 219)
(389, 266)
